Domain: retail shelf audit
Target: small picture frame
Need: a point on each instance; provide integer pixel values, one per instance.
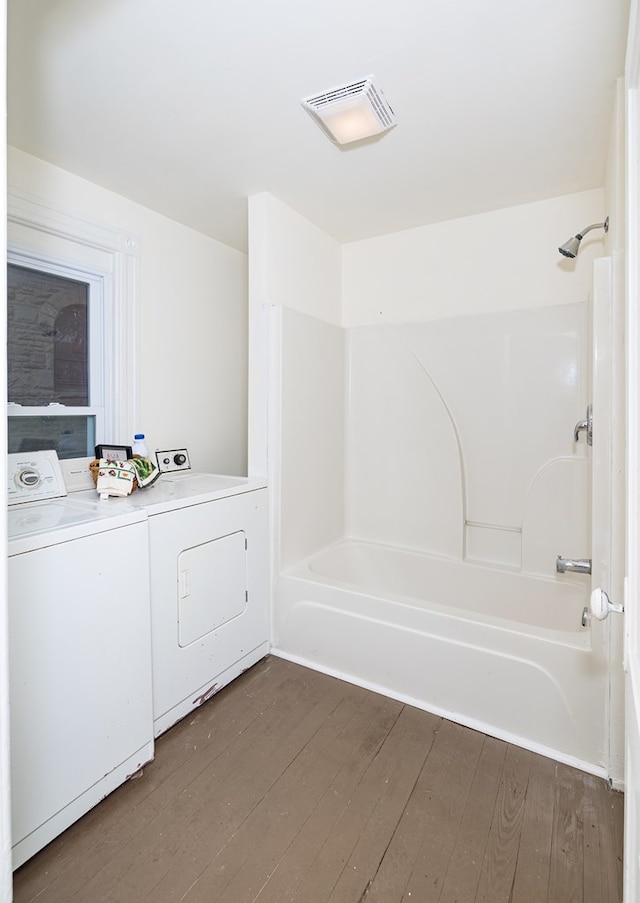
(114, 452)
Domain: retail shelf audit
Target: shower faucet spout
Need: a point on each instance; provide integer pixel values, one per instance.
(586, 425)
(574, 565)
(580, 425)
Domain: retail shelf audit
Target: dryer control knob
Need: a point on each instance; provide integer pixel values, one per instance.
(179, 459)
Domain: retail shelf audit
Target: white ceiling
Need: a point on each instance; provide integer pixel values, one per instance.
(190, 106)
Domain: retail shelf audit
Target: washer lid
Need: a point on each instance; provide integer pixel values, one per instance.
(33, 476)
(47, 515)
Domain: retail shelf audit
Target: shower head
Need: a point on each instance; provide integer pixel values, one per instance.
(570, 248)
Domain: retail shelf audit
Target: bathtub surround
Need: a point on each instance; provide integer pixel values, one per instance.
(462, 483)
(314, 374)
(468, 423)
(424, 473)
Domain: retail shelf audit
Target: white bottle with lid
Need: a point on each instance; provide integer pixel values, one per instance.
(139, 446)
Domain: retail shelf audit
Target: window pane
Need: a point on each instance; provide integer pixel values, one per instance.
(71, 436)
(47, 350)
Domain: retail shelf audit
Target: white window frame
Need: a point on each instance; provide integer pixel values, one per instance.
(41, 236)
(99, 316)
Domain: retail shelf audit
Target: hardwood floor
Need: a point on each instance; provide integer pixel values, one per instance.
(293, 786)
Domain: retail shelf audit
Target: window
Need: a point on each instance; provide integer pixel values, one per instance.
(54, 342)
(72, 326)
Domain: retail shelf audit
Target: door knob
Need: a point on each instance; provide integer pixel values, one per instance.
(601, 605)
(586, 425)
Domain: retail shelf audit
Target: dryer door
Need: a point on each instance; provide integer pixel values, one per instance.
(212, 585)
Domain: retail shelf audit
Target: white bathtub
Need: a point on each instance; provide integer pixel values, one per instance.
(497, 650)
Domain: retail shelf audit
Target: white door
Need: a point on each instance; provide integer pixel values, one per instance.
(632, 594)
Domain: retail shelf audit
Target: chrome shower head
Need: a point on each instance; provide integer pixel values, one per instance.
(570, 248)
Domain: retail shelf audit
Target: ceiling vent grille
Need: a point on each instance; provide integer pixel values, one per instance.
(351, 112)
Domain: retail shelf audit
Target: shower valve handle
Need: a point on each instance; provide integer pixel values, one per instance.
(602, 606)
(586, 425)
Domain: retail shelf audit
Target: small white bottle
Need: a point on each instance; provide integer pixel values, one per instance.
(139, 446)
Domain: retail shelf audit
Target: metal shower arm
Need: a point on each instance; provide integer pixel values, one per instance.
(583, 232)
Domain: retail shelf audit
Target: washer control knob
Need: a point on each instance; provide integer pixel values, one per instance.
(179, 459)
(29, 478)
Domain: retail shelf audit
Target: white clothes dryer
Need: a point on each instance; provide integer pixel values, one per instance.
(209, 585)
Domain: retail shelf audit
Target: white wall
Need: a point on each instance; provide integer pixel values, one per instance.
(193, 355)
(298, 411)
(503, 260)
(299, 265)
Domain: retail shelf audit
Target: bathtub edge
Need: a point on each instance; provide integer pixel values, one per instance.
(472, 723)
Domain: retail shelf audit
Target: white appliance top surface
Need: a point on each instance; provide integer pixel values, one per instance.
(179, 490)
(37, 524)
(32, 476)
(34, 525)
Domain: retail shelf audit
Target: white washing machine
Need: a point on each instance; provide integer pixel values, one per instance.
(209, 585)
(80, 657)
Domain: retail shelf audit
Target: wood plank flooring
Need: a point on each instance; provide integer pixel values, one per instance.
(290, 785)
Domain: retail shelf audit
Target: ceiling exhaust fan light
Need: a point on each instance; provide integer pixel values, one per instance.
(351, 112)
